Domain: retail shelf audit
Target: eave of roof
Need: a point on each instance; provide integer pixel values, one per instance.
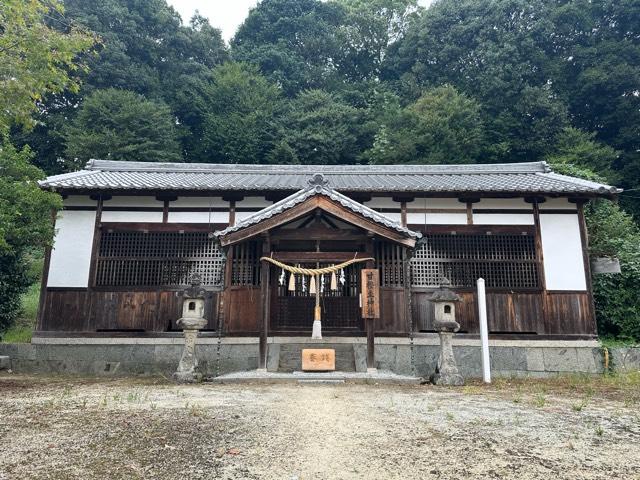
(525, 178)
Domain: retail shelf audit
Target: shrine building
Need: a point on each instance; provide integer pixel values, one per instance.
(132, 234)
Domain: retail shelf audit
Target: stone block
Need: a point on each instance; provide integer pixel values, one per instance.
(360, 357)
(385, 357)
(589, 360)
(625, 359)
(535, 359)
(403, 360)
(561, 360)
(5, 363)
(273, 357)
(507, 358)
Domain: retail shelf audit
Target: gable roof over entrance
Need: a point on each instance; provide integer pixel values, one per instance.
(317, 195)
(507, 178)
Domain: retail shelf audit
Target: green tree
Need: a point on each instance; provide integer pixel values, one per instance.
(294, 42)
(145, 48)
(575, 147)
(369, 28)
(321, 129)
(121, 125)
(442, 126)
(35, 59)
(496, 51)
(240, 121)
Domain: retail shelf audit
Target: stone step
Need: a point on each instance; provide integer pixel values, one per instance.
(5, 363)
(291, 356)
(310, 378)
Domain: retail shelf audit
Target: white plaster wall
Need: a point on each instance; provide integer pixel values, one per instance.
(79, 201)
(71, 253)
(562, 251)
(436, 203)
(503, 203)
(437, 218)
(198, 217)
(133, 201)
(382, 202)
(503, 219)
(136, 217)
(562, 203)
(198, 202)
(250, 202)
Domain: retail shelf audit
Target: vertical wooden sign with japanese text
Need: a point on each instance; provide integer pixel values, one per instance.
(370, 293)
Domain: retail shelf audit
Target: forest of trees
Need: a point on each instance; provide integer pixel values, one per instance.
(341, 82)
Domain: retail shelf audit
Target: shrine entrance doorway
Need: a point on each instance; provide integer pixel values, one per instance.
(292, 303)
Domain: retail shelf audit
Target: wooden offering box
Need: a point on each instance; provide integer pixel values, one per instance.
(318, 359)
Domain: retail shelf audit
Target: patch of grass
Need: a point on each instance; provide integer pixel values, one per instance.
(22, 330)
(611, 342)
(578, 407)
(17, 334)
(540, 400)
(599, 431)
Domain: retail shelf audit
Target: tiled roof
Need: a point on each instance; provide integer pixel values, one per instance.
(533, 177)
(317, 186)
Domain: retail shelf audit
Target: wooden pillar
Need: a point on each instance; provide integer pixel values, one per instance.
(543, 322)
(370, 322)
(266, 304)
(45, 278)
(584, 237)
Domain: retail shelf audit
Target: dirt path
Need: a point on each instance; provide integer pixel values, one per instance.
(64, 428)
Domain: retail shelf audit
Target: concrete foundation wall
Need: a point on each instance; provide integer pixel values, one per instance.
(160, 356)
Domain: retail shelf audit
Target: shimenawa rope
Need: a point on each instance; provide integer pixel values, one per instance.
(314, 271)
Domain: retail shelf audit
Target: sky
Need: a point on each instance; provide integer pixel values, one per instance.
(227, 15)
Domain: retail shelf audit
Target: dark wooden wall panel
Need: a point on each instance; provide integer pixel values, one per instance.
(65, 310)
(244, 310)
(568, 314)
(125, 311)
(392, 311)
(507, 312)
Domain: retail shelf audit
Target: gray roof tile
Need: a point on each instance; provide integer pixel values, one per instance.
(533, 177)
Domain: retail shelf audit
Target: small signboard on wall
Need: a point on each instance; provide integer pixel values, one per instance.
(370, 293)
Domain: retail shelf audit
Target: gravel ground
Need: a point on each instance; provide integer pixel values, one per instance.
(62, 428)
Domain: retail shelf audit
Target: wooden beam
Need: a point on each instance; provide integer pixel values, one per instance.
(42, 301)
(541, 276)
(264, 292)
(370, 323)
(288, 257)
(584, 237)
(469, 213)
(161, 227)
(403, 213)
(232, 212)
(317, 233)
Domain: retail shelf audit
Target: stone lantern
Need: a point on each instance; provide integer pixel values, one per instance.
(191, 321)
(445, 324)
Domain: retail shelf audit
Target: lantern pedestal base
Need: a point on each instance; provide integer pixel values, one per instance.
(447, 372)
(187, 371)
(316, 333)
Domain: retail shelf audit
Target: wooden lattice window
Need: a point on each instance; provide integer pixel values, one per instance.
(136, 258)
(503, 260)
(245, 264)
(389, 260)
